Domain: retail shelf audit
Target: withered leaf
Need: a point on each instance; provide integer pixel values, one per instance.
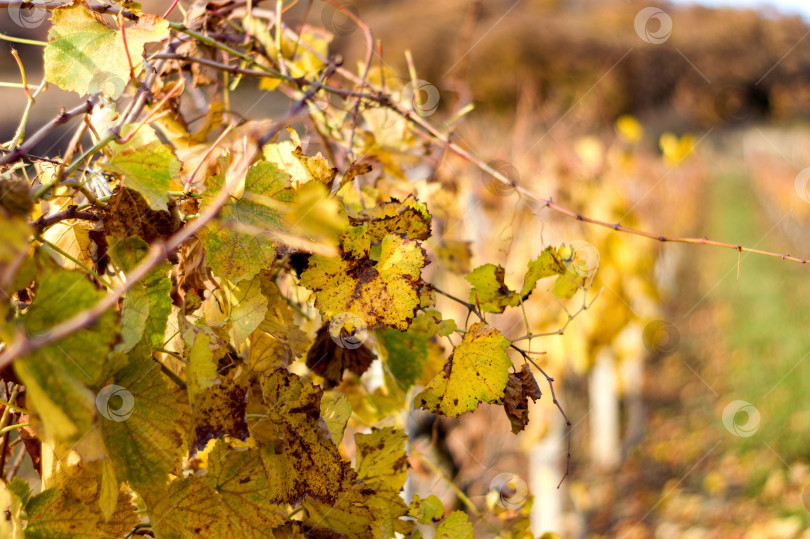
(329, 359)
(130, 215)
(520, 387)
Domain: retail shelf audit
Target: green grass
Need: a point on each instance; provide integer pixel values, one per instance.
(767, 332)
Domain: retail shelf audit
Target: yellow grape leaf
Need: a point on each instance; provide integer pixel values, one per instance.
(565, 286)
(409, 217)
(489, 290)
(297, 450)
(243, 490)
(355, 241)
(336, 411)
(369, 504)
(187, 507)
(234, 245)
(86, 56)
(74, 239)
(550, 262)
(315, 215)
(70, 509)
(220, 410)
(381, 460)
(456, 526)
(266, 353)
(360, 511)
(109, 490)
(381, 293)
(476, 372)
(317, 167)
(279, 323)
(201, 372)
(248, 309)
(454, 256)
(281, 154)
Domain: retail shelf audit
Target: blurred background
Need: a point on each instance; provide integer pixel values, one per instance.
(686, 381)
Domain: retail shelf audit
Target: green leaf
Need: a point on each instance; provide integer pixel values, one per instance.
(147, 305)
(57, 377)
(145, 446)
(405, 353)
(477, 372)
(234, 245)
(148, 169)
(456, 526)
(428, 510)
(86, 56)
(489, 290)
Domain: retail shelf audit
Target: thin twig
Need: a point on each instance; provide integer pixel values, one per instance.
(72, 212)
(550, 382)
(61, 119)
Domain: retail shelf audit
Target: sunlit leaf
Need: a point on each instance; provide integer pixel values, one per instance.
(381, 293)
(297, 450)
(86, 56)
(489, 290)
(234, 246)
(477, 372)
